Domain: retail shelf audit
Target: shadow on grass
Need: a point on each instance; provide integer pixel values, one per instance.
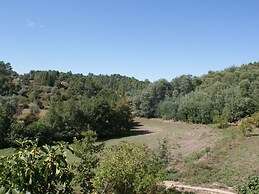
(254, 134)
(135, 131)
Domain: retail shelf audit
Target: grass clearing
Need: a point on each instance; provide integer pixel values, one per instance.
(230, 162)
(184, 138)
(231, 158)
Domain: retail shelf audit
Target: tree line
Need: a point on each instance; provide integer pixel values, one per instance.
(217, 97)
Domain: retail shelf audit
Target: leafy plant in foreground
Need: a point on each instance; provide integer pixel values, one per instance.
(35, 169)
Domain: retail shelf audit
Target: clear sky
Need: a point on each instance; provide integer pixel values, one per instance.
(141, 38)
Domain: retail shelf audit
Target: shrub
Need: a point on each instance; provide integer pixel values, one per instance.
(87, 150)
(250, 187)
(127, 168)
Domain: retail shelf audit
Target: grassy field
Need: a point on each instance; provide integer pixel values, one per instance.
(184, 139)
(201, 154)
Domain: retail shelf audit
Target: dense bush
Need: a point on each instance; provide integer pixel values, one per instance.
(129, 168)
(248, 124)
(250, 187)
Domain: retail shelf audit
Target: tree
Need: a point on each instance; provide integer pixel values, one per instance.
(196, 107)
(236, 106)
(183, 85)
(6, 120)
(168, 109)
(6, 79)
(65, 120)
(36, 170)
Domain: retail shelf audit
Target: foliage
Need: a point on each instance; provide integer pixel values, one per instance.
(196, 107)
(217, 97)
(146, 103)
(70, 118)
(36, 170)
(248, 124)
(105, 104)
(168, 109)
(7, 113)
(66, 120)
(31, 131)
(6, 76)
(250, 187)
(127, 168)
(87, 150)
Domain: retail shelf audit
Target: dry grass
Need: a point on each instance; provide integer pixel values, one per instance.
(231, 160)
(184, 138)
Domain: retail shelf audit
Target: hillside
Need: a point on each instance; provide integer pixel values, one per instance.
(210, 122)
(63, 106)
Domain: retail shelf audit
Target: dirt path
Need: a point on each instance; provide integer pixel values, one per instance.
(198, 190)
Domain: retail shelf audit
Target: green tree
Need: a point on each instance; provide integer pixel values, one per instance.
(65, 120)
(168, 109)
(183, 85)
(196, 107)
(6, 120)
(236, 106)
(6, 79)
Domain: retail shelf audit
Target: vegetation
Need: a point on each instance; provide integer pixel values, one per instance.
(250, 123)
(88, 151)
(73, 104)
(125, 168)
(52, 106)
(217, 97)
(202, 154)
(36, 170)
(251, 187)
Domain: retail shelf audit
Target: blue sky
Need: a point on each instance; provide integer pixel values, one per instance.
(146, 39)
